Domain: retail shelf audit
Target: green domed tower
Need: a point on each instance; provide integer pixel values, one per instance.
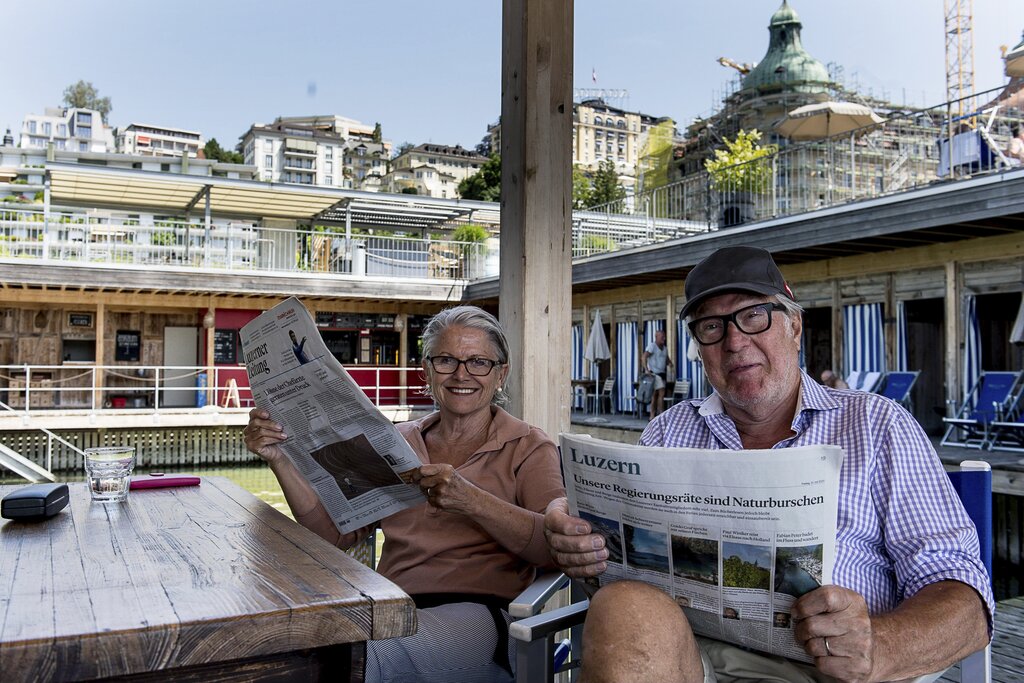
(787, 67)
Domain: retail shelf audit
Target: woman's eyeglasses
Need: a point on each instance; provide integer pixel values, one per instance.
(749, 320)
(447, 365)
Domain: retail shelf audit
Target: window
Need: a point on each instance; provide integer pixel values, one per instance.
(268, 161)
(84, 118)
(166, 168)
(598, 121)
(329, 180)
(329, 167)
(83, 146)
(61, 144)
(329, 152)
(361, 151)
(62, 130)
(31, 127)
(47, 128)
(84, 132)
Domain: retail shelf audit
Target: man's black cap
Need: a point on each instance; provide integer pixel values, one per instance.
(733, 269)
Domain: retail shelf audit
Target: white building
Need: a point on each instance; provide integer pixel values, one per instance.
(432, 170)
(76, 130)
(137, 138)
(351, 130)
(295, 153)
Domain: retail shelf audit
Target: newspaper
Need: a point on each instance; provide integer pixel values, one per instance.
(354, 457)
(735, 537)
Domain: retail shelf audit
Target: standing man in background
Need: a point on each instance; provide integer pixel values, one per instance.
(656, 361)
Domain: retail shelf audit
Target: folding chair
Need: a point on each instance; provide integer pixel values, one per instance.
(869, 382)
(1007, 430)
(853, 379)
(604, 395)
(680, 393)
(973, 483)
(987, 401)
(898, 386)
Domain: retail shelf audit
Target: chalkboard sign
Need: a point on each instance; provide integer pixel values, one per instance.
(80, 319)
(128, 345)
(225, 346)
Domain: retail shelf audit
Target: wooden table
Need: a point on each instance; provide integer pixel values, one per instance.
(199, 583)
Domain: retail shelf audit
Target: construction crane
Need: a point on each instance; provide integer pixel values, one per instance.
(959, 55)
(742, 68)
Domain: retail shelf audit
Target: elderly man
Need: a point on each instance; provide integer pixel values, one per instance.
(656, 361)
(909, 597)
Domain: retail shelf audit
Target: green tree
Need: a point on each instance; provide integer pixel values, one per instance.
(471, 232)
(213, 150)
(378, 136)
(581, 190)
(606, 185)
(485, 184)
(743, 165)
(82, 95)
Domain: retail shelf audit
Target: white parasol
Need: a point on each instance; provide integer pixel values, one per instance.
(597, 350)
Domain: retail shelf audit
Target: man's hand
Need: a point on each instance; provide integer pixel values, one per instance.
(833, 626)
(574, 549)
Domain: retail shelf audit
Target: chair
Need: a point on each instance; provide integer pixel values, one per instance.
(898, 386)
(680, 393)
(869, 382)
(603, 395)
(973, 483)
(536, 632)
(1007, 430)
(987, 402)
(853, 379)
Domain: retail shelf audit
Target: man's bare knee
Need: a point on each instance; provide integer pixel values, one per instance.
(635, 632)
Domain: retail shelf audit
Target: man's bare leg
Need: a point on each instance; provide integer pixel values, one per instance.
(657, 403)
(637, 633)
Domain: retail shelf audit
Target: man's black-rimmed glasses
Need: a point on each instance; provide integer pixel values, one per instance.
(447, 365)
(749, 320)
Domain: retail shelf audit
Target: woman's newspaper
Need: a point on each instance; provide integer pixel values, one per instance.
(351, 454)
(735, 537)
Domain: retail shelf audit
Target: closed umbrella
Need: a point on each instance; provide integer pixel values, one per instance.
(597, 350)
(825, 119)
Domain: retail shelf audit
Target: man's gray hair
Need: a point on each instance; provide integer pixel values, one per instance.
(475, 318)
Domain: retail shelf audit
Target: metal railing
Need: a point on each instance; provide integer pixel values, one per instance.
(80, 237)
(905, 152)
(28, 389)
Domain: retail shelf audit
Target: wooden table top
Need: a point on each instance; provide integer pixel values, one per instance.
(178, 577)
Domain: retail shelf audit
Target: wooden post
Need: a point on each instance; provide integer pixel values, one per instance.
(402, 323)
(536, 192)
(889, 322)
(954, 354)
(211, 390)
(101, 359)
(838, 362)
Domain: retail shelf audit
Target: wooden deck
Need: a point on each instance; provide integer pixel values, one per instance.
(1007, 647)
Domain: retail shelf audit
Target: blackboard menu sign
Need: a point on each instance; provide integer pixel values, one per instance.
(225, 346)
(324, 319)
(128, 345)
(80, 319)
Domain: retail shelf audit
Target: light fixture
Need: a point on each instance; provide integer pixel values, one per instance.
(208, 319)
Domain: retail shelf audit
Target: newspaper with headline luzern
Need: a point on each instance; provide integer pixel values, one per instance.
(735, 537)
(354, 457)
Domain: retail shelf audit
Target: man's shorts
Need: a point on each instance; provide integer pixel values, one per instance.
(725, 663)
(659, 381)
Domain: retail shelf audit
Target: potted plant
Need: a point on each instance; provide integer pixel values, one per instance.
(739, 173)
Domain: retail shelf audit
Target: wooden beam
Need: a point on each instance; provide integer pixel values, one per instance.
(536, 206)
(101, 360)
(954, 352)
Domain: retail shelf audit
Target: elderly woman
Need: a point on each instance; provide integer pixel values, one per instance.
(477, 541)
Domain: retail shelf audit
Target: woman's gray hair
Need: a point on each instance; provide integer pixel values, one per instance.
(474, 318)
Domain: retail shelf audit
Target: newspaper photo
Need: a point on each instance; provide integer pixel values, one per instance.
(354, 457)
(735, 537)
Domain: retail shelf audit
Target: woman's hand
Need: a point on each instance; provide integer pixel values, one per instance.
(262, 436)
(446, 489)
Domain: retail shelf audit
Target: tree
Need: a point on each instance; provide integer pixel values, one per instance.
(378, 136)
(606, 185)
(403, 148)
(213, 150)
(742, 166)
(82, 95)
(485, 184)
(581, 190)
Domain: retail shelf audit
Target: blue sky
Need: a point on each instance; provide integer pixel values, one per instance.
(431, 72)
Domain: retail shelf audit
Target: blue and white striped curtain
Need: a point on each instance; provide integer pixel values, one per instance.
(972, 345)
(627, 360)
(692, 370)
(863, 338)
(901, 337)
(577, 369)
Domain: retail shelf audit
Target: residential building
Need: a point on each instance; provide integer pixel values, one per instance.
(295, 153)
(366, 164)
(78, 130)
(137, 138)
(353, 131)
(601, 132)
(432, 170)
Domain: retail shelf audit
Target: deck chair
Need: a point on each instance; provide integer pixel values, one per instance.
(604, 395)
(898, 385)
(1007, 430)
(680, 393)
(853, 379)
(970, 426)
(870, 381)
(536, 633)
(973, 483)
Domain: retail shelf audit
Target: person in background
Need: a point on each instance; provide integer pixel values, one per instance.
(1016, 149)
(909, 595)
(831, 379)
(476, 542)
(656, 361)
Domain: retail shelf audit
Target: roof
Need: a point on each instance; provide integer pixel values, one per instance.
(786, 65)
